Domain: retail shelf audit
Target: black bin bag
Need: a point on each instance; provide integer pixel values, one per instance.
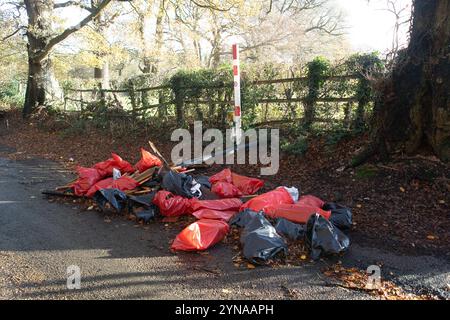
(289, 229)
(341, 216)
(243, 218)
(116, 198)
(179, 184)
(323, 238)
(147, 215)
(260, 240)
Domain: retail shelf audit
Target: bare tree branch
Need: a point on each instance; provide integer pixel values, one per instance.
(12, 34)
(72, 3)
(62, 36)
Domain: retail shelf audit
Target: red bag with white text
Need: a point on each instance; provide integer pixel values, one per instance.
(147, 161)
(201, 235)
(124, 183)
(269, 201)
(170, 205)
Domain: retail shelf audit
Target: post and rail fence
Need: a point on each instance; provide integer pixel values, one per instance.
(277, 100)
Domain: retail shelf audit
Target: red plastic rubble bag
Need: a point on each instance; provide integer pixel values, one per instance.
(232, 204)
(214, 214)
(226, 190)
(87, 177)
(147, 161)
(124, 183)
(170, 205)
(105, 168)
(201, 235)
(269, 201)
(298, 213)
(246, 185)
(222, 176)
(311, 201)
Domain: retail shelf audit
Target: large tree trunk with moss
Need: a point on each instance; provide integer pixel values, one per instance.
(414, 108)
(41, 83)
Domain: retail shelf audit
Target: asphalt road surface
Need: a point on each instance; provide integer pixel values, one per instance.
(118, 259)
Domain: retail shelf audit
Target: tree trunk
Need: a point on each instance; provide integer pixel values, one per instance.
(414, 109)
(101, 73)
(41, 83)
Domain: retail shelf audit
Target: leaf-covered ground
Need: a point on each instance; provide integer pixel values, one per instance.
(402, 205)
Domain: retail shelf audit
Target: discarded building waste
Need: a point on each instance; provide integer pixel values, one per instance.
(155, 190)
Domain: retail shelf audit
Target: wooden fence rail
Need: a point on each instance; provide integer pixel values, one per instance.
(166, 97)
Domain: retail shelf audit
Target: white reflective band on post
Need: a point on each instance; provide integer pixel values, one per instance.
(237, 94)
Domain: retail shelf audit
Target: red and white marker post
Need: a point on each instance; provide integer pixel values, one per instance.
(237, 94)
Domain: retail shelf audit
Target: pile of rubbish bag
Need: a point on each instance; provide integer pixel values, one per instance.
(153, 188)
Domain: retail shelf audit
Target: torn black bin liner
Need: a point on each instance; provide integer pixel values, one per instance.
(243, 218)
(179, 184)
(116, 198)
(147, 215)
(323, 237)
(204, 181)
(142, 200)
(291, 230)
(341, 216)
(261, 241)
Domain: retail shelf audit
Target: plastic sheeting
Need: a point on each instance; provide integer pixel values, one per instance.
(201, 235)
(87, 177)
(294, 192)
(181, 184)
(341, 216)
(246, 185)
(243, 218)
(142, 200)
(260, 240)
(312, 201)
(146, 215)
(105, 168)
(147, 161)
(124, 183)
(204, 181)
(222, 176)
(116, 198)
(270, 201)
(226, 190)
(324, 238)
(297, 213)
(214, 214)
(220, 205)
(289, 229)
(170, 205)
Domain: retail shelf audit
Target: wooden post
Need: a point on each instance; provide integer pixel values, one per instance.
(132, 95)
(179, 107)
(81, 101)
